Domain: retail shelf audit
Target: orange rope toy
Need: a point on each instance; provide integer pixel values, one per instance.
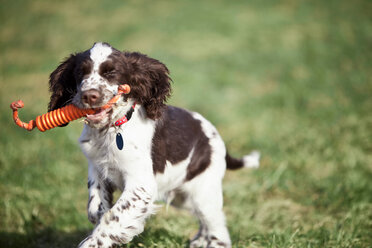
(62, 115)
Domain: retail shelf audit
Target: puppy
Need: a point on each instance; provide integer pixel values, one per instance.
(146, 149)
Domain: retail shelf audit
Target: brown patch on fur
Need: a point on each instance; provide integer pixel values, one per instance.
(99, 242)
(126, 205)
(63, 81)
(108, 192)
(148, 78)
(136, 195)
(177, 134)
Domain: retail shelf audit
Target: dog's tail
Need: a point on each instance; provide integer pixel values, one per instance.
(251, 160)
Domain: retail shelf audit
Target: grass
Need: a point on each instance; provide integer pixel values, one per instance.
(290, 78)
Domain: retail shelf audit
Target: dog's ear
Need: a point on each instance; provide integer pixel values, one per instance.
(62, 84)
(149, 81)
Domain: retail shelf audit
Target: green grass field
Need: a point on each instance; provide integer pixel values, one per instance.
(292, 79)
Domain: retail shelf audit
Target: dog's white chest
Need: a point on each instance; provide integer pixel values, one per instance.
(118, 161)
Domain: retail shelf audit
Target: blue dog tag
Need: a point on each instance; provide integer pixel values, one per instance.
(119, 141)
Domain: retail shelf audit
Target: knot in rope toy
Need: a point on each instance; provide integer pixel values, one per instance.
(62, 115)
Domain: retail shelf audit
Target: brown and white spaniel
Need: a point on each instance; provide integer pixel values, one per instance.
(157, 153)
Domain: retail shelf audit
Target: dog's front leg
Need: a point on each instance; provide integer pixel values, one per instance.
(100, 195)
(125, 219)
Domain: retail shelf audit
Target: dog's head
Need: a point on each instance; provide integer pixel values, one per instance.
(90, 79)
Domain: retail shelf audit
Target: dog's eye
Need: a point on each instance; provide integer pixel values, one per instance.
(109, 73)
(107, 69)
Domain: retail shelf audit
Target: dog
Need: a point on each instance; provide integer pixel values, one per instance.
(146, 149)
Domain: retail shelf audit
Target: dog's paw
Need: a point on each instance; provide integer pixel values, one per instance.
(216, 243)
(208, 242)
(200, 241)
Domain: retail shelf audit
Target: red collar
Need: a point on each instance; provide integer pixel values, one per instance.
(126, 117)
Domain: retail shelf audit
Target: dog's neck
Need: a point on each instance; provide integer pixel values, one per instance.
(137, 111)
(126, 117)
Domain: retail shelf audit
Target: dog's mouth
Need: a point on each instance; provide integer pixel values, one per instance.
(99, 116)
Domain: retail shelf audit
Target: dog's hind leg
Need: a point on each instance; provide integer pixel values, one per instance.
(206, 201)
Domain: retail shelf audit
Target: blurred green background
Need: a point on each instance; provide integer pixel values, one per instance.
(290, 78)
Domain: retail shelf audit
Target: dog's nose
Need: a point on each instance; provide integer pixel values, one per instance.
(90, 97)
